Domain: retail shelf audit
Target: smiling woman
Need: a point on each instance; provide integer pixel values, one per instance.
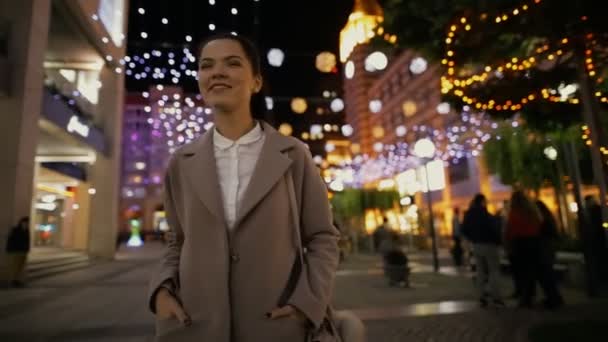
(240, 73)
(235, 201)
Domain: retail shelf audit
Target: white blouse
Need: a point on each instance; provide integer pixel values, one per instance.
(235, 162)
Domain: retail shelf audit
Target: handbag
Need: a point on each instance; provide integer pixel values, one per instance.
(337, 326)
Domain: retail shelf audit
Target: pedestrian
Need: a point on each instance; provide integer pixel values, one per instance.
(395, 262)
(594, 243)
(545, 273)
(17, 248)
(382, 237)
(523, 236)
(457, 250)
(481, 229)
(232, 270)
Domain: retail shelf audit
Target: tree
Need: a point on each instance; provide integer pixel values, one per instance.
(544, 60)
(468, 36)
(516, 156)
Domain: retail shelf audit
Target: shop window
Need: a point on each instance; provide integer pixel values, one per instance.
(88, 85)
(68, 74)
(140, 193)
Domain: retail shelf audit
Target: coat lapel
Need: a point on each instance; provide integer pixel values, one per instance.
(201, 170)
(270, 168)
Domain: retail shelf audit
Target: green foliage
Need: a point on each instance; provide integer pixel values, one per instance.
(517, 156)
(354, 202)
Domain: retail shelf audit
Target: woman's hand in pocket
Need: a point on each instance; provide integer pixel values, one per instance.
(287, 311)
(168, 307)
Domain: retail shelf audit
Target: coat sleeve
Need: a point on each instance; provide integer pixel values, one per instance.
(314, 288)
(168, 273)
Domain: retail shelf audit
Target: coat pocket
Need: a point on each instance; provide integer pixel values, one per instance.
(173, 330)
(290, 328)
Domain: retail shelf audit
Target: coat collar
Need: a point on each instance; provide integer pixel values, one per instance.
(223, 143)
(200, 168)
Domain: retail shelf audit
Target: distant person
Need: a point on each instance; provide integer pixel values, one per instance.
(545, 273)
(17, 248)
(457, 250)
(382, 237)
(481, 229)
(395, 262)
(594, 242)
(523, 236)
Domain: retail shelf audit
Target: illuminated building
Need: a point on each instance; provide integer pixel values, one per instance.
(61, 95)
(155, 124)
(400, 103)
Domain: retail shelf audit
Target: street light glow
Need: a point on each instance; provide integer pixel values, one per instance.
(424, 148)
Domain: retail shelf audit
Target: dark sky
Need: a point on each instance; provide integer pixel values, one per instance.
(301, 29)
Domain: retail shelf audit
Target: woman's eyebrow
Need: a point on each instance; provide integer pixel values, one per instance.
(208, 59)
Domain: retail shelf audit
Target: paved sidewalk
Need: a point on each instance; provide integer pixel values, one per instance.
(107, 302)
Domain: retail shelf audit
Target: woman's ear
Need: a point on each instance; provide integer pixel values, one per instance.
(257, 84)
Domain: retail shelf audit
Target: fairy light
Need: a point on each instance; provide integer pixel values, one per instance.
(457, 86)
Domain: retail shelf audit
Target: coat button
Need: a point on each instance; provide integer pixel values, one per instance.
(235, 257)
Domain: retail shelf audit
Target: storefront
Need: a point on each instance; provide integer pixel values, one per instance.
(67, 149)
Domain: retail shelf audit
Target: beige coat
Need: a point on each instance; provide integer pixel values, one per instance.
(228, 280)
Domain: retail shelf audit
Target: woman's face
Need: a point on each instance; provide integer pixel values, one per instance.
(225, 76)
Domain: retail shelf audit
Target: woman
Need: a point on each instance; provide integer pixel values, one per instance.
(546, 275)
(232, 247)
(523, 236)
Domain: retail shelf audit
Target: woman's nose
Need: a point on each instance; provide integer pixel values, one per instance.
(218, 72)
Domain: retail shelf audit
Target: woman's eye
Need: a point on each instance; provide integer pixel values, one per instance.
(234, 63)
(204, 66)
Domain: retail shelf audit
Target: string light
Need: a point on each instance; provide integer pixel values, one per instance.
(458, 85)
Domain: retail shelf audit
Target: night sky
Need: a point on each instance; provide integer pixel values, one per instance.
(301, 29)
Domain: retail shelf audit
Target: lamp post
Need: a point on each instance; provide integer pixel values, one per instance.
(425, 150)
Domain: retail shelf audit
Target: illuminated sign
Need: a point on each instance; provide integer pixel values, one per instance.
(75, 126)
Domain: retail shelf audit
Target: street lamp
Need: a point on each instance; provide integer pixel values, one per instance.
(425, 150)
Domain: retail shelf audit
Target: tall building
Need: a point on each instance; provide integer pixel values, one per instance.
(392, 102)
(362, 25)
(155, 124)
(61, 101)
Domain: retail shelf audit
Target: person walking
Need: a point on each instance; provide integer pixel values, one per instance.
(17, 248)
(457, 249)
(233, 198)
(481, 229)
(382, 237)
(523, 237)
(546, 275)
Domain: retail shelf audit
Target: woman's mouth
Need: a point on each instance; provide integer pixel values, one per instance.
(219, 86)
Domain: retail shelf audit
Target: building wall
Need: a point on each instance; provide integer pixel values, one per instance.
(142, 190)
(28, 22)
(395, 86)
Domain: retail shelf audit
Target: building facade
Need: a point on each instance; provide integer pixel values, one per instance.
(62, 97)
(393, 100)
(156, 123)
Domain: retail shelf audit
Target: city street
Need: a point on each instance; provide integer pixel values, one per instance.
(246, 126)
(107, 302)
